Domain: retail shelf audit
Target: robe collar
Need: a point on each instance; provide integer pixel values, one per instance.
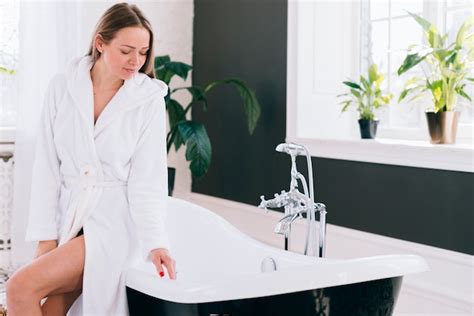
(136, 91)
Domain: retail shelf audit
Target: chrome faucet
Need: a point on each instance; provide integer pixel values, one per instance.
(296, 203)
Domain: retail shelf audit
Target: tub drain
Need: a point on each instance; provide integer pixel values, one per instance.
(268, 265)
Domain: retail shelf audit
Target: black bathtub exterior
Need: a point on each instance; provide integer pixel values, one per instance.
(376, 297)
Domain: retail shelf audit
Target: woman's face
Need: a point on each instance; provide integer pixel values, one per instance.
(126, 53)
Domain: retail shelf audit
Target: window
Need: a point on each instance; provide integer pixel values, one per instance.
(387, 31)
(331, 41)
(9, 21)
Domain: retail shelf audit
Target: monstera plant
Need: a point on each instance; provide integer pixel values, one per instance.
(449, 68)
(189, 132)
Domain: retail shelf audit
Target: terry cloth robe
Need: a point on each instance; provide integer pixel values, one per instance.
(109, 178)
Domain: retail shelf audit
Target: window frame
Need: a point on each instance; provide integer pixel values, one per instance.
(411, 153)
(434, 11)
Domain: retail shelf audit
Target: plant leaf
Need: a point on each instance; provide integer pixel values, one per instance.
(346, 105)
(412, 60)
(461, 92)
(178, 68)
(7, 71)
(197, 93)
(424, 23)
(366, 84)
(355, 93)
(352, 85)
(175, 114)
(461, 36)
(166, 69)
(198, 146)
(161, 61)
(403, 94)
(373, 73)
(249, 99)
(434, 38)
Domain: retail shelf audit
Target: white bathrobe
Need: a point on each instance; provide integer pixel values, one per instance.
(109, 178)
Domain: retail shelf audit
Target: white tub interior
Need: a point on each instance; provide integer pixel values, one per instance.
(215, 261)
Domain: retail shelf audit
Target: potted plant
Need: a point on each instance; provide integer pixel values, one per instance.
(367, 96)
(188, 132)
(448, 68)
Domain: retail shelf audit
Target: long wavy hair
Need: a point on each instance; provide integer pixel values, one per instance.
(119, 16)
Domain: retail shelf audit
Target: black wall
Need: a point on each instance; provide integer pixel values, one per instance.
(247, 40)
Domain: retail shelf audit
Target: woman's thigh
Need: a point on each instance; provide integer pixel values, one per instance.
(56, 272)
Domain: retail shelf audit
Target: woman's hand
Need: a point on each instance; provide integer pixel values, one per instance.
(160, 257)
(45, 246)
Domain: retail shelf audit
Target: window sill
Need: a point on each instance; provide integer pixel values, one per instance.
(421, 154)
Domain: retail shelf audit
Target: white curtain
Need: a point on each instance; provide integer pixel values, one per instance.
(52, 33)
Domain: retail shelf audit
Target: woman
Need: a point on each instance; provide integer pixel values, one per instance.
(99, 186)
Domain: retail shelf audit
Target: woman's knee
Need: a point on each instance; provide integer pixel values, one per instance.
(20, 289)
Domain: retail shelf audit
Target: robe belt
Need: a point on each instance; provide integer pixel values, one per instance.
(85, 189)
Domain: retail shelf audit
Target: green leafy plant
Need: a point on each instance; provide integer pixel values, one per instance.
(191, 133)
(449, 65)
(366, 95)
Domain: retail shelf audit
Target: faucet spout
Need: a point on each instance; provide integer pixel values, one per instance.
(284, 224)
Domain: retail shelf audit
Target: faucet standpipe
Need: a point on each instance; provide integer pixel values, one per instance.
(297, 203)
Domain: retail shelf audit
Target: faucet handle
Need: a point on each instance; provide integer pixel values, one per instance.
(263, 204)
(319, 207)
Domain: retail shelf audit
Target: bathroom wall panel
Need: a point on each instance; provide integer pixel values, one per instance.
(247, 39)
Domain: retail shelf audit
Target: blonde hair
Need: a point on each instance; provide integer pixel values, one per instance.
(119, 16)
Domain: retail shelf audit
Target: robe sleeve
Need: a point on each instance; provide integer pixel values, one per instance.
(148, 182)
(45, 181)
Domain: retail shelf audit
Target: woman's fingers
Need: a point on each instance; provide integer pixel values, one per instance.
(170, 267)
(159, 268)
(161, 258)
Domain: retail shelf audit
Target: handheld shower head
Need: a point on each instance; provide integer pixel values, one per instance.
(290, 149)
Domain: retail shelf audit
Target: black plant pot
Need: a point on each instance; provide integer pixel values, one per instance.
(368, 128)
(171, 176)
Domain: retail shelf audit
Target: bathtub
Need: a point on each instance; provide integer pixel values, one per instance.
(222, 271)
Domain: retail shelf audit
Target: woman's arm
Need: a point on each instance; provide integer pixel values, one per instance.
(45, 246)
(148, 188)
(45, 181)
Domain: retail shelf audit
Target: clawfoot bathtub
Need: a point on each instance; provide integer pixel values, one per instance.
(222, 271)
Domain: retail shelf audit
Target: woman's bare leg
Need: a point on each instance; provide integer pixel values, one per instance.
(56, 272)
(59, 304)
